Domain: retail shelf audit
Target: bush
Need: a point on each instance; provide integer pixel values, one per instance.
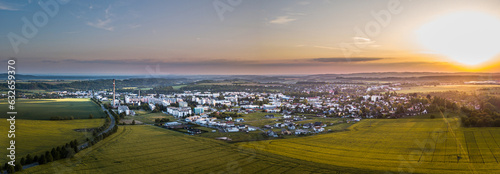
(433, 116)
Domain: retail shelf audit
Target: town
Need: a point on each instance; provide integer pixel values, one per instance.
(273, 114)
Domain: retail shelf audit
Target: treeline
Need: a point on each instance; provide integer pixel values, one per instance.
(487, 116)
(95, 84)
(60, 152)
(223, 115)
(226, 88)
(304, 94)
(480, 118)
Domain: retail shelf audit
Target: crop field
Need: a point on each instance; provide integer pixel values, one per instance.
(149, 149)
(37, 136)
(257, 118)
(149, 117)
(414, 145)
(44, 109)
(444, 88)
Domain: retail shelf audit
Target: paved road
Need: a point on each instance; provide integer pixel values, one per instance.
(86, 144)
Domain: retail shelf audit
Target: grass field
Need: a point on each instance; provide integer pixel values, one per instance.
(43, 109)
(149, 149)
(415, 145)
(149, 117)
(37, 136)
(444, 88)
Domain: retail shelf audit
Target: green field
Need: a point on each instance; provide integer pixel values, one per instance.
(44, 109)
(444, 88)
(37, 136)
(415, 145)
(148, 117)
(149, 149)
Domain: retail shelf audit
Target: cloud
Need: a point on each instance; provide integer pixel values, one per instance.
(326, 47)
(7, 7)
(103, 24)
(340, 60)
(282, 20)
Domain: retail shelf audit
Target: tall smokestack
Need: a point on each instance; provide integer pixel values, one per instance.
(114, 93)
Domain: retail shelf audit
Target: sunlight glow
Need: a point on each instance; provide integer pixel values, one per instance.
(469, 38)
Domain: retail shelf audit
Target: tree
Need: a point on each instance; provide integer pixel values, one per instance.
(432, 116)
(49, 157)
(133, 122)
(91, 116)
(29, 159)
(42, 159)
(18, 167)
(11, 169)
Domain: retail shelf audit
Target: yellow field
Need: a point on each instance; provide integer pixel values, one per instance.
(44, 109)
(402, 145)
(149, 149)
(444, 88)
(37, 136)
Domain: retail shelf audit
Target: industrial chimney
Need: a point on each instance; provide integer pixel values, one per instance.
(114, 106)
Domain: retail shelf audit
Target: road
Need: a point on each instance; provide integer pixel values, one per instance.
(113, 122)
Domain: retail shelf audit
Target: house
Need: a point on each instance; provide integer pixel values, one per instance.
(240, 120)
(301, 132)
(173, 123)
(287, 116)
(194, 131)
(271, 133)
(122, 109)
(152, 106)
(291, 126)
(228, 118)
(267, 127)
(307, 125)
(318, 127)
(285, 132)
(251, 128)
(233, 129)
(199, 110)
(278, 125)
(269, 116)
(241, 126)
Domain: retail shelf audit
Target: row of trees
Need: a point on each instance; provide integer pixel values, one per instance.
(60, 152)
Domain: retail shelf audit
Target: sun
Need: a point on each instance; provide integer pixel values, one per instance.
(468, 38)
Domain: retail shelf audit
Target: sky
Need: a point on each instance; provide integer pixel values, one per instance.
(161, 37)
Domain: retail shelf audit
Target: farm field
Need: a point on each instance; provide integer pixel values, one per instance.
(149, 149)
(38, 136)
(148, 117)
(444, 88)
(43, 109)
(413, 145)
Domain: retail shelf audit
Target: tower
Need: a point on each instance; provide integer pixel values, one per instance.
(139, 97)
(114, 95)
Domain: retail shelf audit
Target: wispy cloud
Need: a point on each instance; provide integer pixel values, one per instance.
(339, 59)
(7, 7)
(104, 23)
(282, 20)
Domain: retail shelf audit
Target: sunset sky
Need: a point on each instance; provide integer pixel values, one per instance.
(126, 37)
